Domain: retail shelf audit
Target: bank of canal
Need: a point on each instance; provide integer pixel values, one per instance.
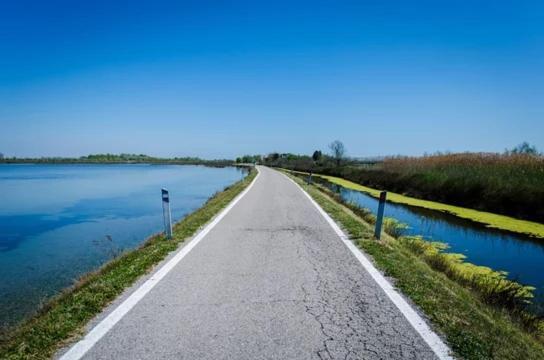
(521, 256)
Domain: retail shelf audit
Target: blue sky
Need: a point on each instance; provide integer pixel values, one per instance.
(220, 79)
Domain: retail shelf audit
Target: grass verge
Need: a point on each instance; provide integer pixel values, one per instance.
(473, 328)
(491, 220)
(64, 317)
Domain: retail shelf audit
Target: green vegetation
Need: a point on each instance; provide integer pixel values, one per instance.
(118, 159)
(479, 312)
(496, 221)
(249, 159)
(510, 184)
(63, 318)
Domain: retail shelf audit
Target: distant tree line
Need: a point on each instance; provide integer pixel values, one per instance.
(249, 159)
(318, 161)
(118, 159)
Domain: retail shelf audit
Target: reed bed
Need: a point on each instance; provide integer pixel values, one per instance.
(511, 184)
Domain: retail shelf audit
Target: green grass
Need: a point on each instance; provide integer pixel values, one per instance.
(64, 317)
(473, 328)
(491, 220)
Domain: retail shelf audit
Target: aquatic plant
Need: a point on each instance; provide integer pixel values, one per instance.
(492, 285)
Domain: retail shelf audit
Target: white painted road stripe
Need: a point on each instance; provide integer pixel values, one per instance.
(435, 343)
(79, 349)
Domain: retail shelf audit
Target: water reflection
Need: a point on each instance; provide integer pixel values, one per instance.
(60, 221)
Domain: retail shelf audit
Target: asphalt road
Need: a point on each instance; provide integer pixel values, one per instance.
(272, 280)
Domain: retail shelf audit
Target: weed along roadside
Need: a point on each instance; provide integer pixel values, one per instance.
(64, 317)
(480, 313)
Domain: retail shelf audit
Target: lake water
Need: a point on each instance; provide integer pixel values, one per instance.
(58, 222)
(519, 255)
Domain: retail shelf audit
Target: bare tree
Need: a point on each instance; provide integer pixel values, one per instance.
(338, 150)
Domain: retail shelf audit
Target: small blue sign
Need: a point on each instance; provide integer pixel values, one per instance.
(165, 196)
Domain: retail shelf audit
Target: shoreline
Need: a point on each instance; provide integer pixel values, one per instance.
(63, 316)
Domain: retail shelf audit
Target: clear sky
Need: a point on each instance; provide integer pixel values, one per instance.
(224, 78)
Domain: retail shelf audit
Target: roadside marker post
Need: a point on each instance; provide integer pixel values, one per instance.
(379, 218)
(166, 213)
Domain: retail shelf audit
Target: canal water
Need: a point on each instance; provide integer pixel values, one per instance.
(58, 222)
(521, 256)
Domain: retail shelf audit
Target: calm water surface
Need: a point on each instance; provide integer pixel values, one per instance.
(58, 222)
(519, 255)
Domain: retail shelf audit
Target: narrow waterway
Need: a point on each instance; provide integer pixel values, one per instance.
(521, 256)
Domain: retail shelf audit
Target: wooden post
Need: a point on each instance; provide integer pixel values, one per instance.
(379, 218)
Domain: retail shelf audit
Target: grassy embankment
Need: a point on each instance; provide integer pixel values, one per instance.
(507, 184)
(491, 220)
(477, 310)
(64, 317)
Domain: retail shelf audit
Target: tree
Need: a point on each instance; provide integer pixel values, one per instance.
(1, 156)
(247, 159)
(317, 155)
(524, 148)
(338, 150)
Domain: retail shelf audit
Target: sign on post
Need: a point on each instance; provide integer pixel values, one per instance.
(166, 213)
(379, 218)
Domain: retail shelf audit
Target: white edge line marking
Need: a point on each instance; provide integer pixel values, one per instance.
(81, 347)
(435, 343)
